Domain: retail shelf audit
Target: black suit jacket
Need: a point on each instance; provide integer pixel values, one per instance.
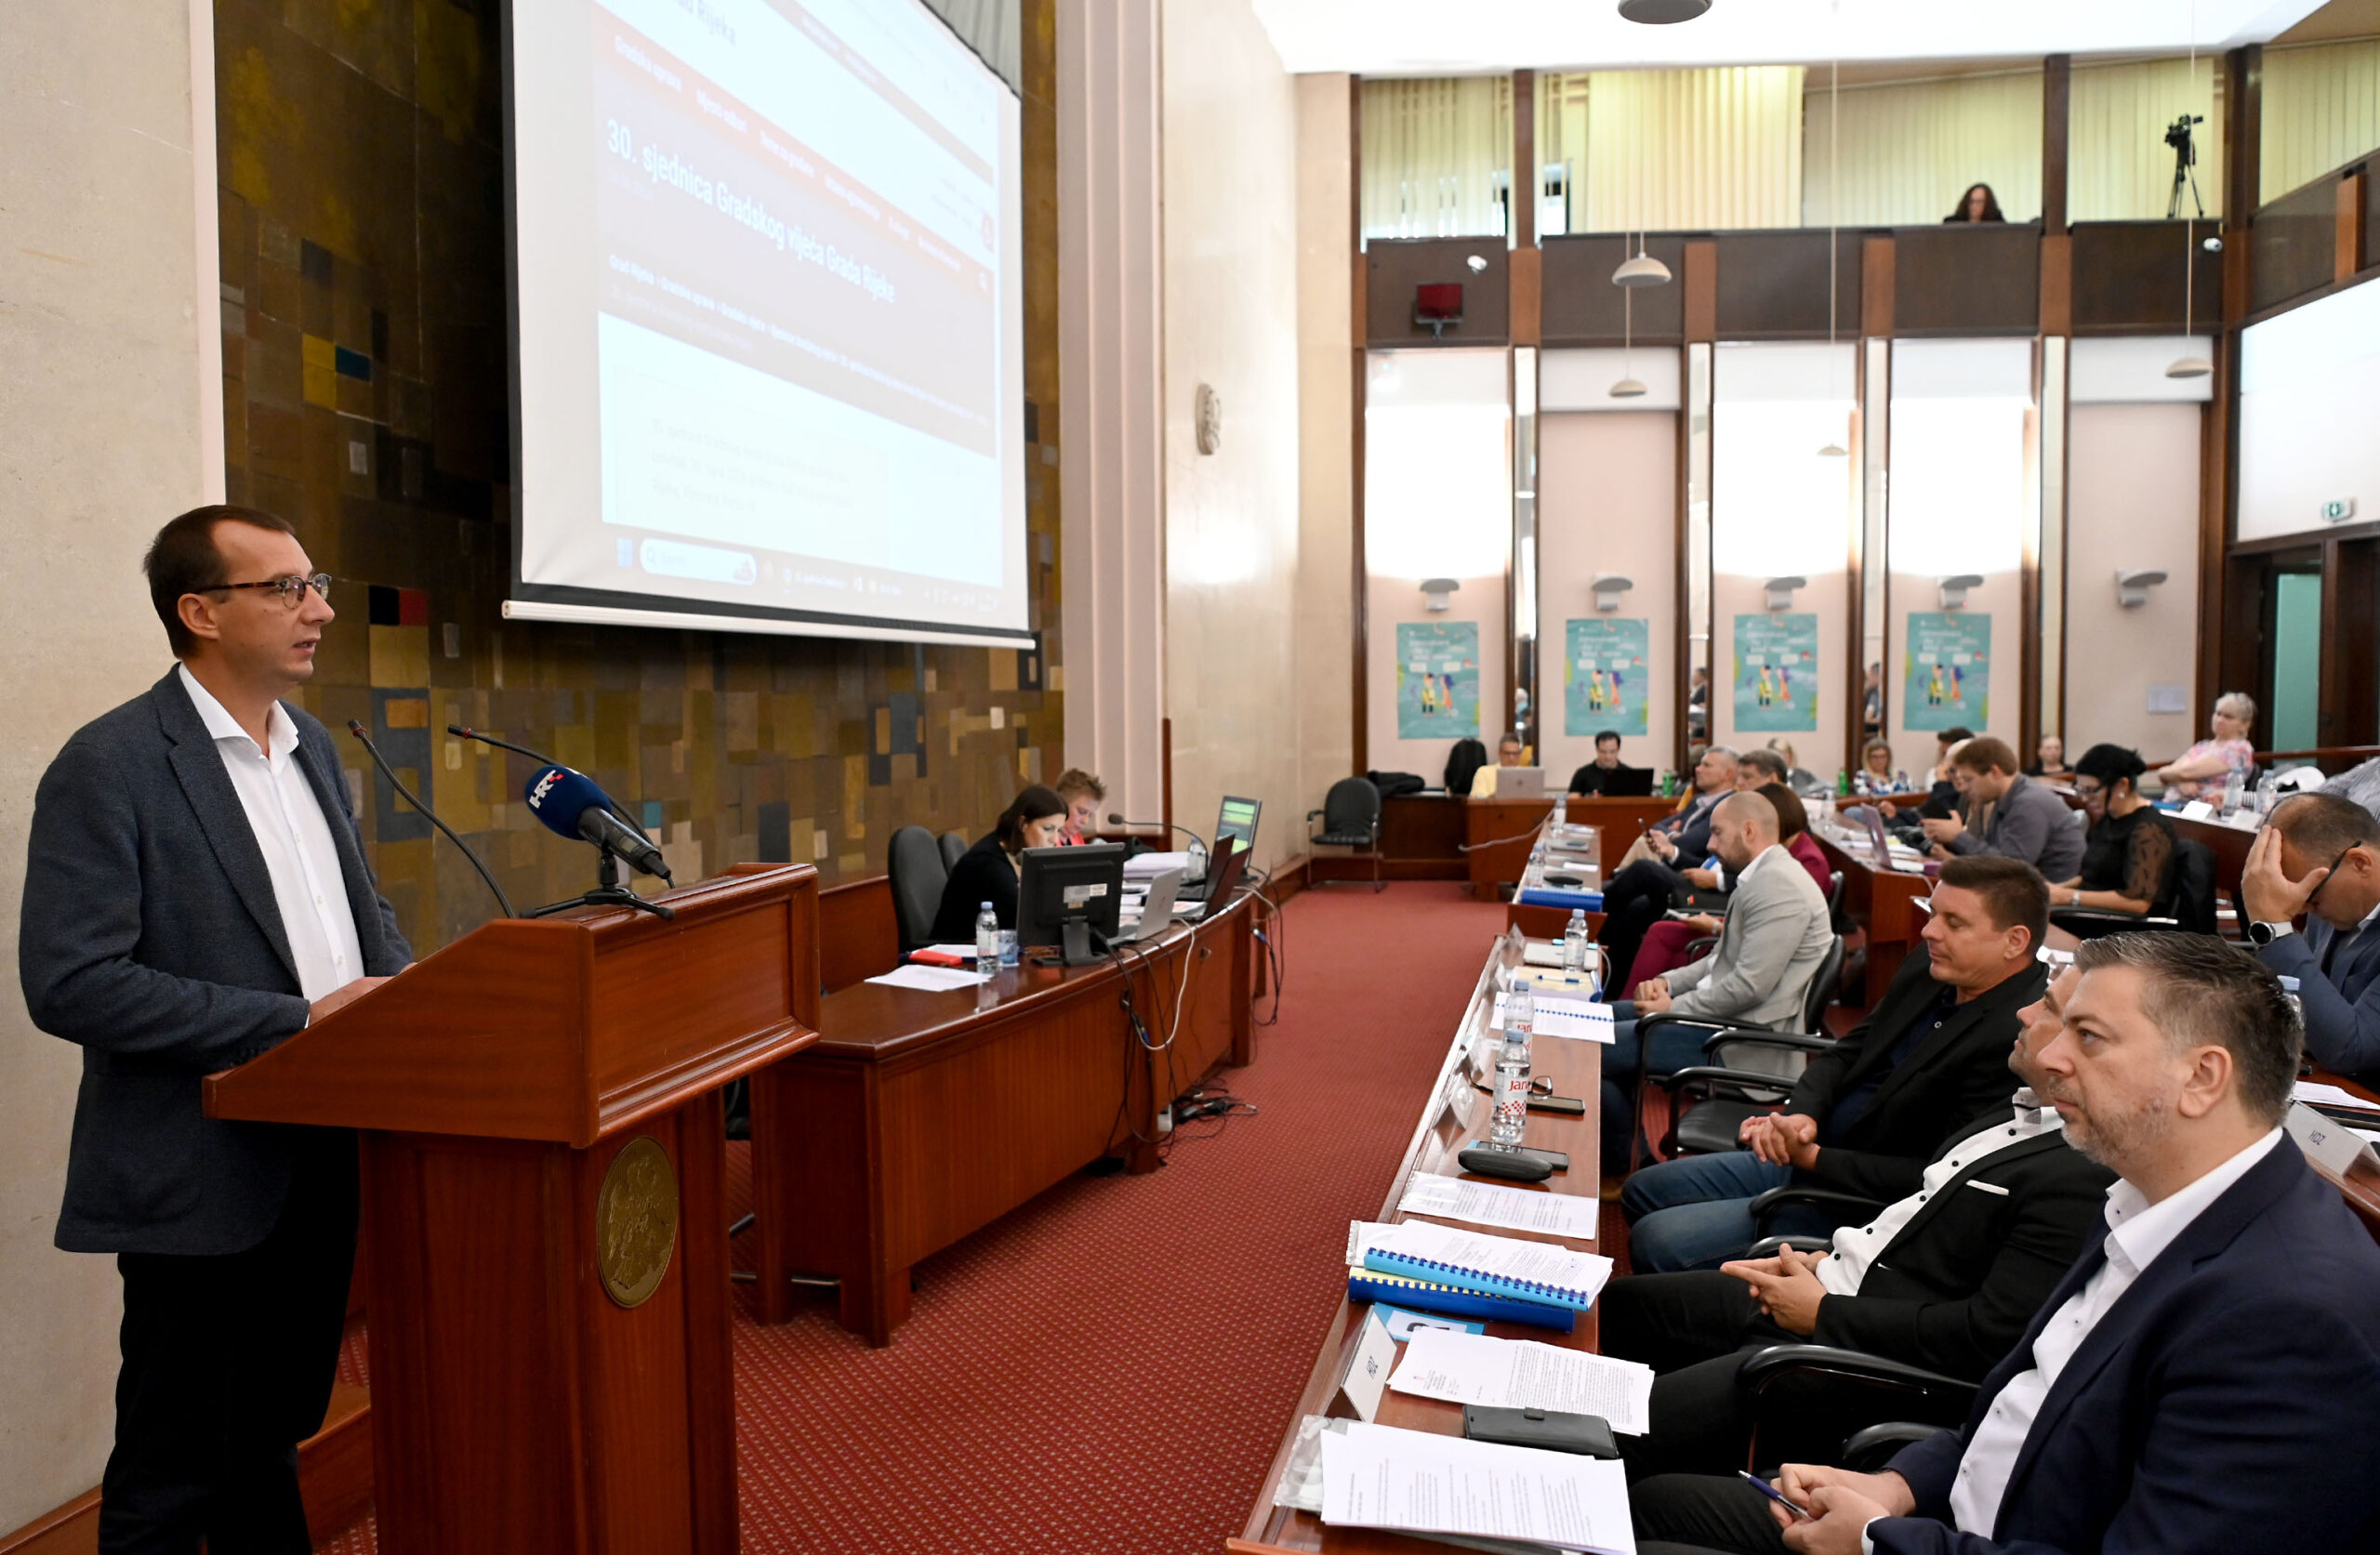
(983, 874)
(1951, 1078)
(2222, 1404)
(1957, 1285)
(150, 937)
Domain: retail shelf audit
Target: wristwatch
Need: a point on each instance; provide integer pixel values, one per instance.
(2266, 933)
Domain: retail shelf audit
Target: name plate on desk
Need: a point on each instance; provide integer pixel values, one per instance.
(1367, 1379)
(2333, 1143)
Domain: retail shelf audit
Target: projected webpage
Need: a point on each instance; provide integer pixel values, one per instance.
(799, 273)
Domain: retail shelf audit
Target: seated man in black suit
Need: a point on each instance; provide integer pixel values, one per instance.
(1944, 1279)
(2205, 1376)
(1591, 777)
(1868, 1113)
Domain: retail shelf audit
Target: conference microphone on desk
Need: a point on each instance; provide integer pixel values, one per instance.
(571, 805)
(390, 772)
(1117, 819)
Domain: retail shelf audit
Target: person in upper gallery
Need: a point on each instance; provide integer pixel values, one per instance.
(1938, 1278)
(1674, 864)
(1770, 945)
(1510, 752)
(195, 894)
(2049, 760)
(2319, 855)
(1867, 1113)
(1876, 777)
(2027, 821)
(2129, 849)
(1084, 794)
(1591, 777)
(2202, 770)
(1978, 203)
(989, 871)
(2205, 1378)
(1666, 943)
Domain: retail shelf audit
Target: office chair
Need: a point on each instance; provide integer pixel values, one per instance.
(1350, 817)
(1749, 1069)
(954, 846)
(2186, 900)
(914, 861)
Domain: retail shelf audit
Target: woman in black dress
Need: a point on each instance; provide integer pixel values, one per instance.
(987, 872)
(2130, 848)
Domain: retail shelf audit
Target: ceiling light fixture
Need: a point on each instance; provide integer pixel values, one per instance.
(1661, 13)
(1641, 268)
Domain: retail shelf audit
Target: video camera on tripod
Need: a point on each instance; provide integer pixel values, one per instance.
(2177, 135)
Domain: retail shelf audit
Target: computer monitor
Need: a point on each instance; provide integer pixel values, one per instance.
(1071, 898)
(1238, 821)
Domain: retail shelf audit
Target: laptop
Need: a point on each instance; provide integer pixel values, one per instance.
(1520, 783)
(1222, 881)
(1628, 782)
(1156, 909)
(1234, 833)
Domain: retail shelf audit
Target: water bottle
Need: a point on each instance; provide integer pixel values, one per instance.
(1512, 1069)
(1575, 944)
(1561, 810)
(2266, 786)
(2233, 782)
(987, 939)
(1843, 783)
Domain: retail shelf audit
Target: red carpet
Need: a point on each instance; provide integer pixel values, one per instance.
(1110, 1366)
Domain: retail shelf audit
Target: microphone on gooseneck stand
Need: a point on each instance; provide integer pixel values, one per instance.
(1116, 818)
(380, 761)
(540, 758)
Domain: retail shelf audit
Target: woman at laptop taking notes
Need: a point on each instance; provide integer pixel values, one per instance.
(987, 872)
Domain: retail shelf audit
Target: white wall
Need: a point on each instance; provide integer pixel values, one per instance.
(2132, 502)
(1231, 290)
(110, 424)
(1327, 362)
(1607, 502)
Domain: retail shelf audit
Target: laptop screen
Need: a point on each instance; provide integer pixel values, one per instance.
(1238, 821)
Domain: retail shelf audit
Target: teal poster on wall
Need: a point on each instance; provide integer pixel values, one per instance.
(1777, 674)
(1437, 679)
(1948, 672)
(1603, 676)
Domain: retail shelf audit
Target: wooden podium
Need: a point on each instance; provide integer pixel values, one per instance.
(544, 1202)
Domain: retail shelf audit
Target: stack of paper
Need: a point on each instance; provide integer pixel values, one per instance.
(1491, 1204)
(933, 980)
(1557, 1016)
(1379, 1477)
(1523, 1374)
(1475, 1261)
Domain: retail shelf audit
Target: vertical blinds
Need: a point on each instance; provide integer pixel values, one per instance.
(1910, 149)
(2118, 168)
(2322, 108)
(1438, 156)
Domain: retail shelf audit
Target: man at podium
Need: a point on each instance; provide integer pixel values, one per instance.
(195, 893)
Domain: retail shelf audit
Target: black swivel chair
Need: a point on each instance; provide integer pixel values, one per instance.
(915, 862)
(954, 847)
(1350, 817)
(2186, 900)
(1749, 1069)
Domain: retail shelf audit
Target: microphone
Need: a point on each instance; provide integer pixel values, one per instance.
(371, 750)
(571, 805)
(1116, 818)
(540, 758)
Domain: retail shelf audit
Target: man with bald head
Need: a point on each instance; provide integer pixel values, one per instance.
(2320, 858)
(1774, 935)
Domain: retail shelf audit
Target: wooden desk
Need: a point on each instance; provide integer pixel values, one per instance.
(918, 1117)
(1883, 902)
(1498, 834)
(1617, 823)
(1577, 1070)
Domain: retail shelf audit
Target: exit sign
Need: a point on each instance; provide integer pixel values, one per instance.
(2338, 512)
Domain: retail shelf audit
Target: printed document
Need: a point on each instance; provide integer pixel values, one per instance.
(1555, 1015)
(1493, 1204)
(1540, 1263)
(1380, 1477)
(1523, 1374)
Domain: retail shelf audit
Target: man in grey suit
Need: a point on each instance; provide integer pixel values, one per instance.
(196, 894)
(1774, 935)
(2028, 823)
(2320, 856)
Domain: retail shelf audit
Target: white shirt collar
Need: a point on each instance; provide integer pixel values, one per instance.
(221, 725)
(2138, 1231)
(1745, 873)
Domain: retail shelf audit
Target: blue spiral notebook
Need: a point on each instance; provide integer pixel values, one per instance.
(1501, 1266)
(1397, 1290)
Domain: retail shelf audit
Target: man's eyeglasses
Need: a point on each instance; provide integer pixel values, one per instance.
(290, 590)
(2331, 874)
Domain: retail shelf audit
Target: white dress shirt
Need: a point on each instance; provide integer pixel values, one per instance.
(2138, 1231)
(295, 836)
(1856, 1247)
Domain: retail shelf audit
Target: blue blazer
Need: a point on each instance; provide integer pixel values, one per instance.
(2224, 1404)
(2342, 1009)
(150, 937)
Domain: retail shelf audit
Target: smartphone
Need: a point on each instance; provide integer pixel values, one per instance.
(1773, 1494)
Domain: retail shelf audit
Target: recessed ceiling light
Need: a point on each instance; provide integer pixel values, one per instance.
(1661, 13)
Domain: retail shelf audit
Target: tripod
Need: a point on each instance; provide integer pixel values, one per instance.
(608, 893)
(2185, 172)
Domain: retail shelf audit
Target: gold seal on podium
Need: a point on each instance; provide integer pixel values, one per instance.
(635, 1222)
